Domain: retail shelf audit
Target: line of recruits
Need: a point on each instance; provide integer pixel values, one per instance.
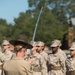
(14, 59)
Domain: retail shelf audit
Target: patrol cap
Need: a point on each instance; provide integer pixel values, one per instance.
(5, 42)
(40, 43)
(56, 43)
(72, 46)
(33, 43)
(20, 43)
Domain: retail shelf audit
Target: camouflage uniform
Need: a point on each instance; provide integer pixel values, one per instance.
(7, 55)
(1, 64)
(38, 65)
(17, 65)
(71, 62)
(57, 64)
(1, 54)
(37, 62)
(28, 55)
(44, 55)
(70, 66)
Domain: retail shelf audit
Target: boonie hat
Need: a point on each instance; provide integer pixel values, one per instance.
(20, 43)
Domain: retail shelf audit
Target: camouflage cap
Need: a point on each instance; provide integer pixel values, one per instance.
(72, 47)
(5, 42)
(56, 43)
(40, 43)
(34, 43)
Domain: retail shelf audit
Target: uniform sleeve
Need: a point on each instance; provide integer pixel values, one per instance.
(68, 64)
(26, 69)
(6, 57)
(46, 57)
(63, 62)
(29, 72)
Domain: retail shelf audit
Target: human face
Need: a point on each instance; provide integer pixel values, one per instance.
(40, 48)
(72, 52)
(11, 47)
(5, 47)
(54, 49)
(23, 52)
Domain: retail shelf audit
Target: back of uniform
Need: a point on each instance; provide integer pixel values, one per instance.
(17, 66)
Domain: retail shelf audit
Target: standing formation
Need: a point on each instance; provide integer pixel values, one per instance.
(18, 57)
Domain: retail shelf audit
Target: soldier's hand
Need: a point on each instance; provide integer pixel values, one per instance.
(29, 60)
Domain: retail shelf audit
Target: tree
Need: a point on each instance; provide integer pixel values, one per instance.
(52, 25)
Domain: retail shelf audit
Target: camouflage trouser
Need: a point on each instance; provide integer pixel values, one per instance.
(71, 73)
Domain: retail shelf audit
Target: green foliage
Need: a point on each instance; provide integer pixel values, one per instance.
(52, 24)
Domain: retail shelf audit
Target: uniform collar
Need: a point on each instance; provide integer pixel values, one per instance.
(42, 52)
(17, 58)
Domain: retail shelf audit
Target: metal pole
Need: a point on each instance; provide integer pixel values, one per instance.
(36, 25)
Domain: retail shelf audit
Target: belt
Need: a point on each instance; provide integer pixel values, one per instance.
(37, 69)
(72, 72)
(55, 68)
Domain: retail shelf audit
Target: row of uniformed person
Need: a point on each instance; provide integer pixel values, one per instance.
(59, 63)
(38, 65)
(17, 65)
(39, 62)
(54, 63)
